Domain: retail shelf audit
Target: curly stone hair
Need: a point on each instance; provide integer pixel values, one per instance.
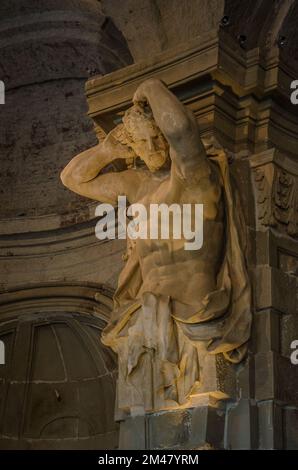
(136, 122)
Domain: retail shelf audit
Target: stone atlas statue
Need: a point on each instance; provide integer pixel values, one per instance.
(170, 301)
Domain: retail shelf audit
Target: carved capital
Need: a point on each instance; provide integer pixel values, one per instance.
(275, 181)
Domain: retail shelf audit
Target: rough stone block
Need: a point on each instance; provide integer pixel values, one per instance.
(273, 288)
(290, 428)
(190, 428)
(246, 378)
(266, 331)
(194, 428)
(276, 378)
(262, 248)
(289, 333)
(241, 173)
(217, 376)
(207, 428)
(242, 426)
(287, 381)
(169, 430)
(132, 434)
(226, 377)
(270, 425)
(264, 376)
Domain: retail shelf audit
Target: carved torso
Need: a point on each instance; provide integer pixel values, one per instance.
(162, 259)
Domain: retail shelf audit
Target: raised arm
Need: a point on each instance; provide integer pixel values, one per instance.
(81, 175)
(178, 125)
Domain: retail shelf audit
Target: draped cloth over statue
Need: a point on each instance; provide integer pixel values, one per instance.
(157, 345)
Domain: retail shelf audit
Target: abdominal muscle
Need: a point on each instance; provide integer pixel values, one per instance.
(184, 275)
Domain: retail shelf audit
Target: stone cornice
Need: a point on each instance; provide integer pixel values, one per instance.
(241, 96)
(274, 156)
(116, 88)
(57, 297)
(37, 224)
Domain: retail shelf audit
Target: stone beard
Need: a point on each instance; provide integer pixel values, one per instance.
(172, 306)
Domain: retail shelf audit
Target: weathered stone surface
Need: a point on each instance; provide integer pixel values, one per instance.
(58, 256)
(276, 378)
(266, 331)
(260, 22)
(192, 428)
(270, 425)
(48, 50)
(265, 376)
(272, 288)
(290, 416)
(167, 23)
(244, 101)
(245, 378)
(225, 378)
(275, 177)
(44, 126)
(289, 333)
(265, 251)
(241, 174)
(133, 433)
(276, 251)
(242, 422)
(170, 430)
(207, 428)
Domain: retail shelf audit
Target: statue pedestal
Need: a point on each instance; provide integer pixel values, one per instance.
(189, 428)
(199, 425)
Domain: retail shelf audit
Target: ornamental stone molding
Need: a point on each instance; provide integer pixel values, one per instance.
(276, 191)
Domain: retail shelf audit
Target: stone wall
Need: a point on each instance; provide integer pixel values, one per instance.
(232, 63)
(48, 251)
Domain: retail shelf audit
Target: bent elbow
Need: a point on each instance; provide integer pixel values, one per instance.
(66, 179)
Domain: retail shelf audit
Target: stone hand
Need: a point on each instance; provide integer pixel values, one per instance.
(115, 149)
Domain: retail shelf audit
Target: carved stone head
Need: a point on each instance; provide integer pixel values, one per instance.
(140, 132)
